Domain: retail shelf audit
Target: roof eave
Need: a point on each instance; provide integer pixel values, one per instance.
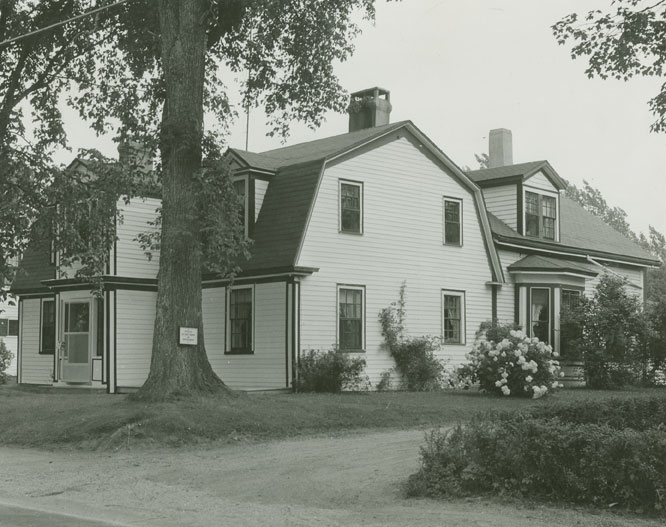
(567, 249)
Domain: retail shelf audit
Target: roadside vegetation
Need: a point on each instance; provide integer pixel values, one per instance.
(610, 454)
(57, 419)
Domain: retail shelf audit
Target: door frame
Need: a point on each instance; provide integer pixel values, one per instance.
(84, 370)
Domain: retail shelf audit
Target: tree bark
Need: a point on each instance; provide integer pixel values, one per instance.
(180, 369)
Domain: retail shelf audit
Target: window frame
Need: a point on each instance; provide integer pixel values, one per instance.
(246, 205)
(463, 318)
(568, 290)
(15, 323)
(540, 194)
(358, 184)
(459, 201)
(228, 345)
(42, 349)
(338, 335)
(551, 314)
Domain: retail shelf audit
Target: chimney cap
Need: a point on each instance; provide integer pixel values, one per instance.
(375, 92)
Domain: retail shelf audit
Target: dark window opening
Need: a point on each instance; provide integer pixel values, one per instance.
(350, 304)
(350, 208)
(452, 319)
(240, 320)
(48, 328)
(452, 222)
(540, 215)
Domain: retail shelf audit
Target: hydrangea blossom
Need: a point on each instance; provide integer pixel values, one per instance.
(516, 365)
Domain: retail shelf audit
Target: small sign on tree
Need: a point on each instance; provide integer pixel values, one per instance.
(188, 336)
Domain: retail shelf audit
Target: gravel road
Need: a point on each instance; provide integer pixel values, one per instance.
(326, 481)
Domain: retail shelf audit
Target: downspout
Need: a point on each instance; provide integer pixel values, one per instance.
(618, 275)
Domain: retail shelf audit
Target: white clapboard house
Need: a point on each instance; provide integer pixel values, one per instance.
(338, 224)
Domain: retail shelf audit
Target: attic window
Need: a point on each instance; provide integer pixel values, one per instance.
(540, 215)
(351, 207)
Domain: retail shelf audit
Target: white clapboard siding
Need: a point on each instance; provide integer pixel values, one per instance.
(260, 187)
(401, 242)
(540, 181)
(135, 318)
(9, 310)
(502, 202)
(35, 368)
(506, 307)
(130, 259)
(265, 369)
(633, 274)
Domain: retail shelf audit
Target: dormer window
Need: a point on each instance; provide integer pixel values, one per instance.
(540, 215)
(240, 186)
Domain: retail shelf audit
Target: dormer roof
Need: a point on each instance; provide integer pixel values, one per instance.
(504, 175)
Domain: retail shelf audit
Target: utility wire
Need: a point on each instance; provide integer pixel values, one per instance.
(61, 23)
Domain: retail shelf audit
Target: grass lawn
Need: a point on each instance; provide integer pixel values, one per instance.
(53, 418)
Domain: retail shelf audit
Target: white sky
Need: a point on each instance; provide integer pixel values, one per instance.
(459, 69)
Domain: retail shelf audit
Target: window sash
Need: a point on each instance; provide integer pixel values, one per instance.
(48, 327)
(453, 319)
(240, 319)
(350, 207)
(4, 327)
(350, 319)
(570, 298)
(540, 313)
(540, 215)
(13, 328)
(452, 222)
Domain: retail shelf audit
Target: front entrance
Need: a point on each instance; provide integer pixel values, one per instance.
(75, 352)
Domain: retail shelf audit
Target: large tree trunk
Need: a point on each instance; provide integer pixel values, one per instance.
(180, 369)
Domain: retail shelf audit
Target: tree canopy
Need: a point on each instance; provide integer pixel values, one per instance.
(624, 42)
(147, 71)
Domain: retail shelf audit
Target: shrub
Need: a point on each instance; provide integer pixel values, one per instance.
(420, 369)
(554, 458)
(5, 358)
(415, 358)
(330, 371)
(505, 361)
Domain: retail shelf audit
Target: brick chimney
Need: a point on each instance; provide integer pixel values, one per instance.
(369, 108)
(500, 148)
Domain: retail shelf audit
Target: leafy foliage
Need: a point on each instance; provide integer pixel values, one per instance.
(557, 455)
(5, 358)
(330, 372)
(505, 361)
(614, 338)
(415, 358)
(622, 43)
(34, 73)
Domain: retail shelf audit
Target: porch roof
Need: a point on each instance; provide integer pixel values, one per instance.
(546, 264)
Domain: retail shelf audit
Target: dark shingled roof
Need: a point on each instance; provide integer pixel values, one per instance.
(543, 263)
(317, 150)
(35, 266)
(279, 228)
(522, 170)
(581, 232)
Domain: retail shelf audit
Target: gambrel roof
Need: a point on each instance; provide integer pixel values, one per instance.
(295, 175)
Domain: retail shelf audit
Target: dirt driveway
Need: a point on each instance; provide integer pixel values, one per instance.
(350, 480)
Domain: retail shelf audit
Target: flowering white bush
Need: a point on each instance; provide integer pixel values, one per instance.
(515, 365)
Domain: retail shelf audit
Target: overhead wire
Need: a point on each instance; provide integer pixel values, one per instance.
(61, 23)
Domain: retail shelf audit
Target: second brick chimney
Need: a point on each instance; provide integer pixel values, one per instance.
(500, 148)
